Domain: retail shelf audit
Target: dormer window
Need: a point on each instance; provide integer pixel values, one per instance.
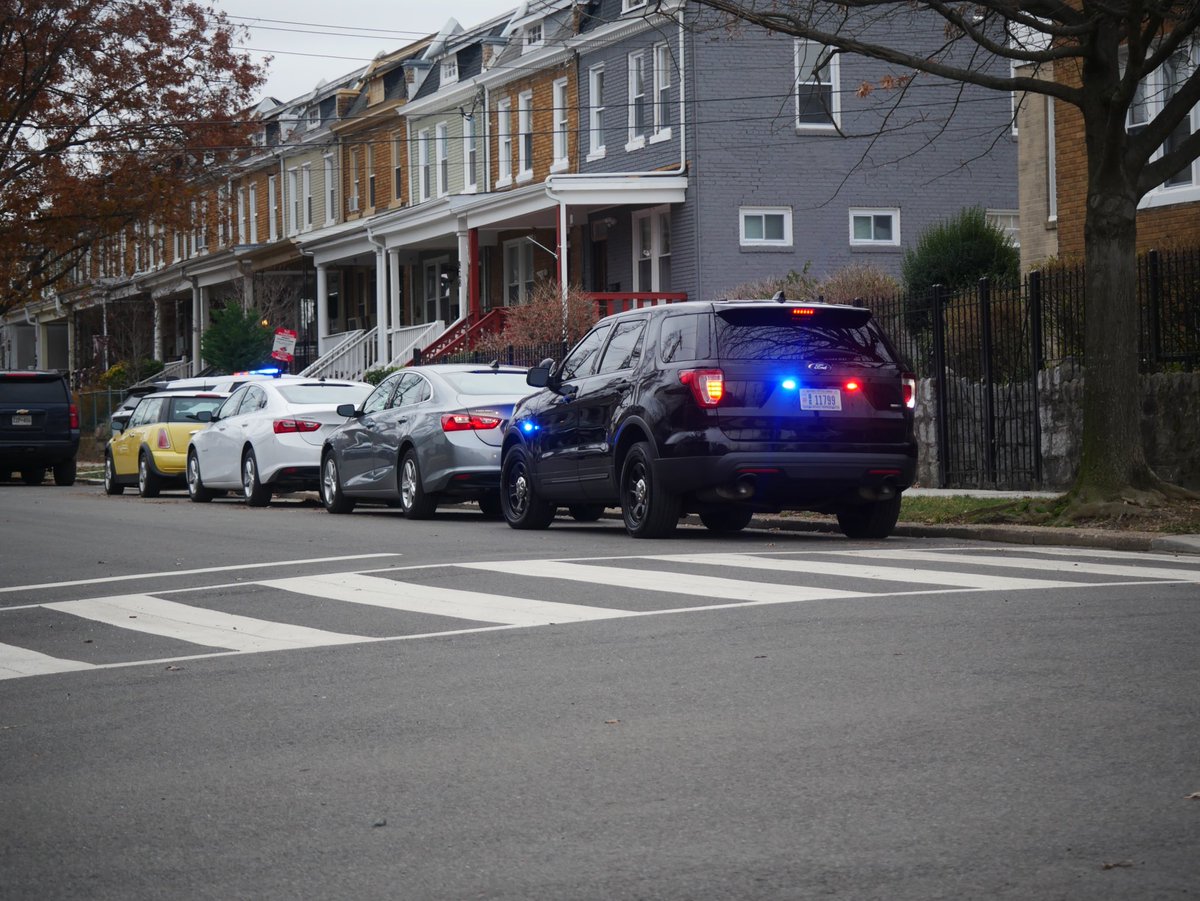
(450, 70)
(314, 116)
(628, 5)
(534, 35)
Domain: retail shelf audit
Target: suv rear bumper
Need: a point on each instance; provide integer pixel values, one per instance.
(38, 452)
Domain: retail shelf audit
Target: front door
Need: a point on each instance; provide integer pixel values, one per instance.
(441, 291)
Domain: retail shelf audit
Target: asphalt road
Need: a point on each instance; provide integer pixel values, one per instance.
(1025, 725)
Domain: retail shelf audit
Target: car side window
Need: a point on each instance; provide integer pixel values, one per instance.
(625, 347)
(255, 399)
(145, 412)
(413, 389)
(582, 360)
(681, 338)
(231, 404)
(378, 399)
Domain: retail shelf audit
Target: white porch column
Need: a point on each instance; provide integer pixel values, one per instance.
(381, 306)
(464, 273)
(564, 271)
(322, 308)
(197, 326)
(157, 351)
(393, 256)
(42, 339)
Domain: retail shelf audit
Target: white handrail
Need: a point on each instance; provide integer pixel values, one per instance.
(406, 340)
(348, 360)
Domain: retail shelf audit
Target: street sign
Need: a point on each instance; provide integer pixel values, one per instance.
(285, 345)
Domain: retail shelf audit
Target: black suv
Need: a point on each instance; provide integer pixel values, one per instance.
(719, 408)
(39, 426)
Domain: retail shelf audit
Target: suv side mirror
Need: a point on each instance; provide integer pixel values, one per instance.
(542, 375)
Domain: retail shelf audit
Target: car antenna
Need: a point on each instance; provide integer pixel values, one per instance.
(780, 297)
(495, 365)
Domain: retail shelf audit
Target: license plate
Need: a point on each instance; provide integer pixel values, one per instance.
(820, 399)
(22, 420)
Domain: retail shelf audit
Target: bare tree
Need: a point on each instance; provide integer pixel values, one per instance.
(1105, 58)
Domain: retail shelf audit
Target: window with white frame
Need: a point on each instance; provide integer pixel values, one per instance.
(652, 249)
(518, 271)
(424, 165)
(504, 142)
(293, 189)
(241, 215)
(272, 209)
(1051, 163)
(306, 180)
(369, 159)
(470, 153)
(224, 212)
(450, 70)
(151, 249)
(560, 124)
(630, 5)
(314, 116)
(535, 36)
(443, 160)
(354, 181)
(874, 228)
(330, 190)
(1009, 222)
(818, 104)
(765, 226)
(596, 112)
(1154, 92)
(525, 135)
(638, 118)
(397, 165)
(663, 64)
(252, 197)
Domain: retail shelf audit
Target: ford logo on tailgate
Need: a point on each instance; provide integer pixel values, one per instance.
(819, 367)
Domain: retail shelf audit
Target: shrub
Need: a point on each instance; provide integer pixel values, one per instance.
(795, 286)
(959, 251)
(375, 376)
(236, 340)
(539, 320)
(858, 281)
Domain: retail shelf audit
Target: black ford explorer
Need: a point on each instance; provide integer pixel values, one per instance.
(719, 408)
(39, 426)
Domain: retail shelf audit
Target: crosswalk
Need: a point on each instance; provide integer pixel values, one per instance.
(403, 603)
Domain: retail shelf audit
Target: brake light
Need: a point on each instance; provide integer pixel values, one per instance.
(73, 412)
(288, 426)
(851, 385)
(164, 440)
(803, 311)
(470, 422)
(908, 387)
(708, 385)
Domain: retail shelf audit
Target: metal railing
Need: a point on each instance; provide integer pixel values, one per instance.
(348, 359)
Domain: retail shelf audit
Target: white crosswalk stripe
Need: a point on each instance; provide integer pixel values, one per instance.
(15, 662)
(1058, 566)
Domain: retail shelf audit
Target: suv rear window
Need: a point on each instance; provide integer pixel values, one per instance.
(759, 333)
(21, 389)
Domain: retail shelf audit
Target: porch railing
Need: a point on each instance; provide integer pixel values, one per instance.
(179, 369)
(349, 359)
(407, 339)
(608, 302)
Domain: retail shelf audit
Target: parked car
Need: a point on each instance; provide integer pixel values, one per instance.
(39, 426)
(219, 384)
(149, 449)
(720, 408)
(424, 435)
(267, 436)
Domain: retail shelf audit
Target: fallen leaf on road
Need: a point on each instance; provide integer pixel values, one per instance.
(611, 722)
(1119, 863)
(174, 669)
(378, 823)
(1194, 796)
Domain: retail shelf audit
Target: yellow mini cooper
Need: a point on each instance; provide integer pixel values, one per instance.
(150, 450)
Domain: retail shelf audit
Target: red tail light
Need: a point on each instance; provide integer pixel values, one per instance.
(288, 426)
(470, 422)
(164, 440)
(852, 385)
(708, 385)
(908, 385)
(74, 414)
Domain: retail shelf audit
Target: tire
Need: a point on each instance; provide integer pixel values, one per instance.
(414, 501)
(873, 520)
(33, 476)
(111, 485)
(586, 512)
(727, 519)
(332, 497)
(649, 510)
(490, 506)
(197, 493)
(149, 484)
(523, 509)
(64, 473)
(254, 492)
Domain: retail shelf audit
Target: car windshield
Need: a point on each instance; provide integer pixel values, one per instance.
(184, 409)
(22, 389)
(323, 393)
(488, 381)
(785, 334)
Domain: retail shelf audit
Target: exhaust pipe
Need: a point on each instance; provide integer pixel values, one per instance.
(741, 490)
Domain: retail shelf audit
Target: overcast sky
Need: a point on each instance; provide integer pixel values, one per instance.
(312, 40)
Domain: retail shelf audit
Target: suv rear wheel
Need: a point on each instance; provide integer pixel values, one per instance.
(649, 510)
(64, 473)
(871, 520)
(33, 476)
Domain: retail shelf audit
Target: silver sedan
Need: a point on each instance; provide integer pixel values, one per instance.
(425, 434)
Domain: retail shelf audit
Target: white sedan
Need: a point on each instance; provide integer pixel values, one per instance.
(267, 438)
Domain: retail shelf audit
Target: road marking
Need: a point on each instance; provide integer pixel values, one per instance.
(1060, 566)
(453, 602)
(16, 662)
(199, 625)
(1105, 552)
(190, 572)
(862, 571)
(675, 583)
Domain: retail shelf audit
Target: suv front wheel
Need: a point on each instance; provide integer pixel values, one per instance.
(649, 510)
(871, 520)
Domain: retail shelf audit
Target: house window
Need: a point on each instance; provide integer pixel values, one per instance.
(1009, 222)
(443, 161)
(450, 70)
(878, 228)
(306, 179)
(223, 212)
(518, 271)
(560, 124)
(397, 165)
(470, 153)
(652, 249)
(253, 198)
(314, 117)
(1153, 93)
(535, 35)
(241, 216)
(663, 64)
(330, 191)
(596, 112)
(272, 209)
(293, 189)
(817, 102)
(637, 100)
(370, 161)
(1051, 163)
(151, 249)
(504, 142)
(766, 226)
(354, 182)
(525, 136)
(423, 164)
(630, 5)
